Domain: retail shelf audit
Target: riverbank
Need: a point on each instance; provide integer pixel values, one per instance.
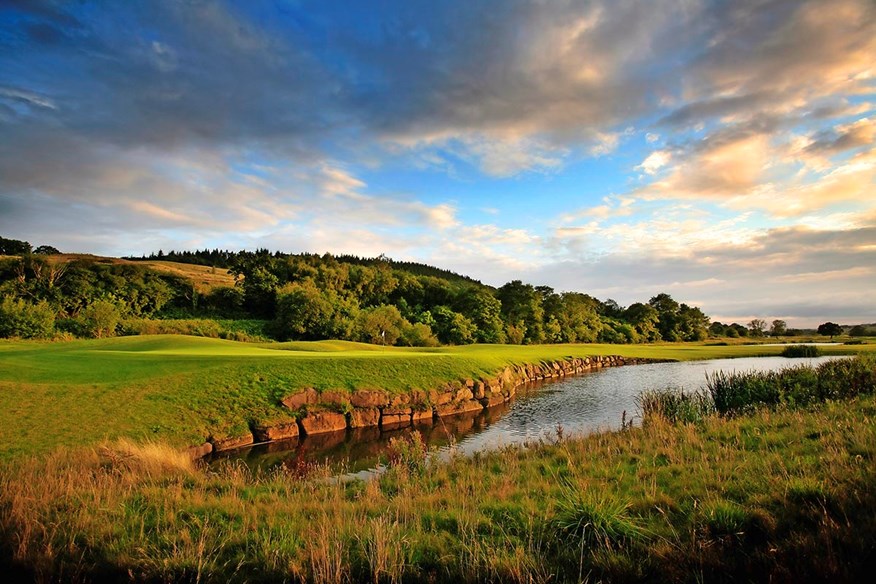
(182, 390)
(777, 494)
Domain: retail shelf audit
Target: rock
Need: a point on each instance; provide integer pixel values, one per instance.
(369, 399)
(200, 451)
(469, 383)
(423, 416)
(458, 408)
(493, 400)
(304, 397)
(276, 431)
(334, 398)
(322, 422)
(463, 394)
(232, 442)
(395, 417)
(364, 417)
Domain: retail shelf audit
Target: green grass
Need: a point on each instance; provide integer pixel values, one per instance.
(180, 389)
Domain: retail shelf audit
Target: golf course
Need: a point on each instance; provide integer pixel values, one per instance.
(180, 390)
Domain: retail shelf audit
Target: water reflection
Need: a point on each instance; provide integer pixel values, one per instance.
(579, 405)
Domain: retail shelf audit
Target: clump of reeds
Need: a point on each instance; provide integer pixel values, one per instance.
(676, 405)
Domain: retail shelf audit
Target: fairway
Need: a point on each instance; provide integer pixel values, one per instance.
(181, 389)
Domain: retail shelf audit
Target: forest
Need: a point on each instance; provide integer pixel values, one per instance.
(305, 296)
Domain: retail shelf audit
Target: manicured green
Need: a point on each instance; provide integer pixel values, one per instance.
(182, 389)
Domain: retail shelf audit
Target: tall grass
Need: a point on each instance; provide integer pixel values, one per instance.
(737, 392)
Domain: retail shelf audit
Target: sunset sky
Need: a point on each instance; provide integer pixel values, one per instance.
(723, 152)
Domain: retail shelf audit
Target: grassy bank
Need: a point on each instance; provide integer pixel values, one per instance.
(776, 495)
(178, 389)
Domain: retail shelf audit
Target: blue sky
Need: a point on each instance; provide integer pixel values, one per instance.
(719, 151)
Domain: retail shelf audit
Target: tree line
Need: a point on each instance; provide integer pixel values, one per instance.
(313, 297)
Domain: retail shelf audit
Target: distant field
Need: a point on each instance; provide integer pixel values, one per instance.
(180, 389)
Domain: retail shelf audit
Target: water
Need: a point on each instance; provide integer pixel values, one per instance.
(577, 405)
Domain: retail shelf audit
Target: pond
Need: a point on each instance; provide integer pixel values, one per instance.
(589, 402)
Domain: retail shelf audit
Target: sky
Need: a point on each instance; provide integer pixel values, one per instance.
(723, 152)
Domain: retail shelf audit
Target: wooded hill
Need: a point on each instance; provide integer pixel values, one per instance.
(310, 297)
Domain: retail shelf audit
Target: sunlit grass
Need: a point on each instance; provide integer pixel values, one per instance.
(181, 389)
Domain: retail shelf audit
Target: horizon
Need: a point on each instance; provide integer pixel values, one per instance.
(724, 154)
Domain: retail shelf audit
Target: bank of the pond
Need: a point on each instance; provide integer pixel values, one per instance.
(182, 390)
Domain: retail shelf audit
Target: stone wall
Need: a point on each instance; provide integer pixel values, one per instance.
(331, 411)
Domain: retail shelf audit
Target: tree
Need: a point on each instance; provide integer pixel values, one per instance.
(756, 327)
(19, 318)
(14, 247)
(667, 316)
(306, 312)
(643, 317)
(452, 327)
(100, 319)
(522, 308)
(692, 323)
(858, 330)
(381, 325)
(778, 328)
(830, 329)
(485, 311)
(46, 250)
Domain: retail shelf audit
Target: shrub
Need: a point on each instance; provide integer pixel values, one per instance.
(19, 318)
(797, 351)
(99, 319)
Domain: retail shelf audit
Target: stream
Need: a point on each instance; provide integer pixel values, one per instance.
(578, 405)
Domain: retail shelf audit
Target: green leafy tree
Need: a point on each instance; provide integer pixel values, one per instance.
(453, 328)
(578, 318)
(692, 324)
(254, 272)
(419, 335)
(46, 250)
(830, 329)
(778, 328)
(667, 316)
(100, 319)
(14, 247)
(756, 327)
(485, 311)
(306, 312)
(522, 304)
(644, 318)
(380, 325)
(19, 318)
(859, 330)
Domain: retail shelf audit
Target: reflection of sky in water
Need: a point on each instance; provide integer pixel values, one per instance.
(579, 405)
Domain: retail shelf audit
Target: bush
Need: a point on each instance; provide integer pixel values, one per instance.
(797, 351)
(99, 319)
(19, 318)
